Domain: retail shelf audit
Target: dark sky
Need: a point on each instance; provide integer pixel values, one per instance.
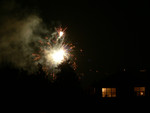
(112, 34)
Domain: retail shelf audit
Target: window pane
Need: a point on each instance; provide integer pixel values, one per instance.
(136, 89)
(104, 94)
(103, 89)
(113, 95)
(140, 91)
(108, 90)
(142, 88)
(108, 94)
(113, 92)
(113, 89)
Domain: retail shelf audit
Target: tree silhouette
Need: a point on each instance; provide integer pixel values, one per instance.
(67, 84)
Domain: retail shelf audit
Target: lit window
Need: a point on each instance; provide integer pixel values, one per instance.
(108, 92)
(139, 91)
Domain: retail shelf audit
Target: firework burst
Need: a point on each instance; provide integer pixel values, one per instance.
(54, 51)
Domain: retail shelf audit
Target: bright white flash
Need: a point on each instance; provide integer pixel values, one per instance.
(61, 34)
(58, 56)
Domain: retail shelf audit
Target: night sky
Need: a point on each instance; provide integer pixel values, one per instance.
(113, 35)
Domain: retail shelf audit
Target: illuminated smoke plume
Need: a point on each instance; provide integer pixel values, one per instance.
(18, 36)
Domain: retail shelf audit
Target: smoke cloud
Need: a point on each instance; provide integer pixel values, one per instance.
(19, 36)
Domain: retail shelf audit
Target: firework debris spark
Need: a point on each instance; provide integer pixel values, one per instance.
(60, 32)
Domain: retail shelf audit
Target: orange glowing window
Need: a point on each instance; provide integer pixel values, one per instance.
(139, 91)
(108, 92)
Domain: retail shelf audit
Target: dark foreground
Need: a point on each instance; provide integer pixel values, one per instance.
(36, 94)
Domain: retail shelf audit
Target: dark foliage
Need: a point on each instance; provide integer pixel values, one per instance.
(35, 91)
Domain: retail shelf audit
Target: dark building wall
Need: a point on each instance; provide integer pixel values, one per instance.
(125, 82)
